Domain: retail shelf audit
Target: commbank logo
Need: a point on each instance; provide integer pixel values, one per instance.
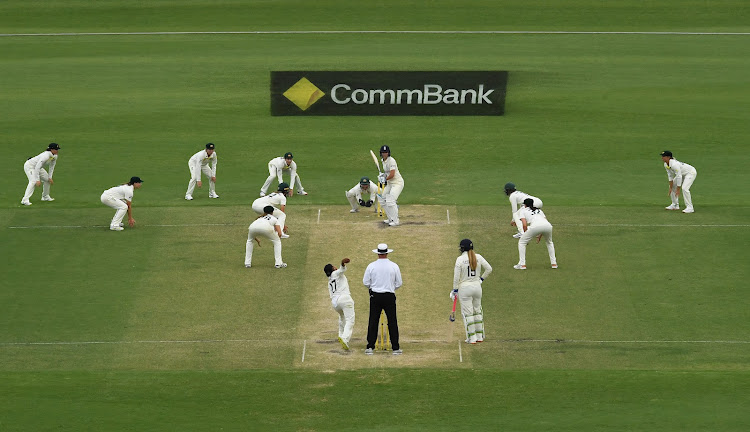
(388, 93)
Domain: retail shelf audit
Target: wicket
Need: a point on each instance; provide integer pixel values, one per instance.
(383, 340)
(381, 213)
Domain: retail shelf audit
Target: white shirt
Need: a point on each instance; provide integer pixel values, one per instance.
(677, 170)
(533, 217)
(338, 285)
(280, 164)
(122, 192)
(517, 198)
(38, 161)
(462, 272)
(202, 159)
(276, 199)
(382, 275)
(357, 191)
(390, 165)
(265, 220)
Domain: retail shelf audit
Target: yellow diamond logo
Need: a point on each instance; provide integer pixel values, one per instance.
(303, 94)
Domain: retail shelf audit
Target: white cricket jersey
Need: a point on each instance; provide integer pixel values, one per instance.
(38, 162)
(122, 192)
(462, 272)
(202, 159)
(532, 216)
(517, 198)
(391, 165)
(280, 163)
(677, 170)
(382, 275)
(265, 220)
(338, 285)
(276, 199)
(357, 191)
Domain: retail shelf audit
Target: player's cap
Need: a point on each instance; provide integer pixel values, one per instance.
(510, 186)
(210, 146)
(385, 149)
(53, 146)
(466, 245)
(382, 249)
(135, 180)
(288, 155)
(283, 187)
(328, 269)
(528, 202)
(666, 153)
(364, 181)
(268, 209)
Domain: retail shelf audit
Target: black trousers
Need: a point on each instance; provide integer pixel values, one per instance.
(382, 302)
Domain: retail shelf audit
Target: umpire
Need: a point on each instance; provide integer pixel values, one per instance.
(383, 278)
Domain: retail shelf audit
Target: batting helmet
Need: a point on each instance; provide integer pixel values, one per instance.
(385, 149)
(466, 245)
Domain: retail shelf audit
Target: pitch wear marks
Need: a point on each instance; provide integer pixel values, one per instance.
(388, 93)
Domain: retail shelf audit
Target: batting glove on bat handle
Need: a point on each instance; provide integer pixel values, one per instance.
(453, 294)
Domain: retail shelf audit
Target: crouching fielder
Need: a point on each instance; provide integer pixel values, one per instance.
(120, 198)
(341, 300)
(354, 195)
(534, 224)
(266, 226)
(467, 285)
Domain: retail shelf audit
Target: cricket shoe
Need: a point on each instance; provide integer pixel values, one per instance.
(189, 197)
(116, 228)
(248, 265)
(689, 210)
(353, 211)
(26, 203)
(517, 235)
(398, 351)
(213, 195)
(393, 224)
(369, 351)
(303, 193)
(672, 207)
(262, 194)
(387, 221)
(47, 198)
(284, 235)
(554, 266)
(344, 345)
(519, 267)
(282, 265)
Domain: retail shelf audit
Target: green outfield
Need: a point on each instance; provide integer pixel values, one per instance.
(645, 326)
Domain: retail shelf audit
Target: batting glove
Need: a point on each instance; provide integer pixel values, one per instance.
(454, 293)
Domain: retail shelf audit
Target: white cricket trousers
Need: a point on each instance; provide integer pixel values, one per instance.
(517, 218)
(267, 233)
(344, 306)
(687, 182)
(28, 168)
(116, 204)
(541, 227)
(274, 172)
(193, 180)
(278, 214)
(390, 200)
(470, 296)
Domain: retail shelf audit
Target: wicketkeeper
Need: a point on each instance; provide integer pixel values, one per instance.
(354, 195)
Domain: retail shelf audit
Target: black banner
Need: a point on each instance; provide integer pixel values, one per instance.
(384, 93)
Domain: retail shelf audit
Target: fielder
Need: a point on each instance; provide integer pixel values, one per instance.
(467, 285)
(516, 199)
(277, 200)
(341, 300)
(276, 167)
(394, 184)
(266, 225)
(199, 162)
(120, 198)
(681, 175)
(535, 224)
(38, 176)
(354, 195)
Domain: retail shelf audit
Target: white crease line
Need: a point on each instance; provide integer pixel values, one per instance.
(460, 353)
(579, 341)
(318, 216)
(438, 32)
(304, 348)
(448, 212)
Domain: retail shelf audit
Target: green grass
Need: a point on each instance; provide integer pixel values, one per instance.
(643, 327)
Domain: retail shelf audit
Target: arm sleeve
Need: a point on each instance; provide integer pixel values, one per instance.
(39, 165)
(677, 173)
(196, 166)
(456, 274)
(293, 173)
(485, 265)
(214, 163)
(367, 280)
(52, 164)
(398, 282)
(513, 203)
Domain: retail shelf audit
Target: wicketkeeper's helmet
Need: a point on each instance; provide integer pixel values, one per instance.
(364, 181)
(466, 245)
